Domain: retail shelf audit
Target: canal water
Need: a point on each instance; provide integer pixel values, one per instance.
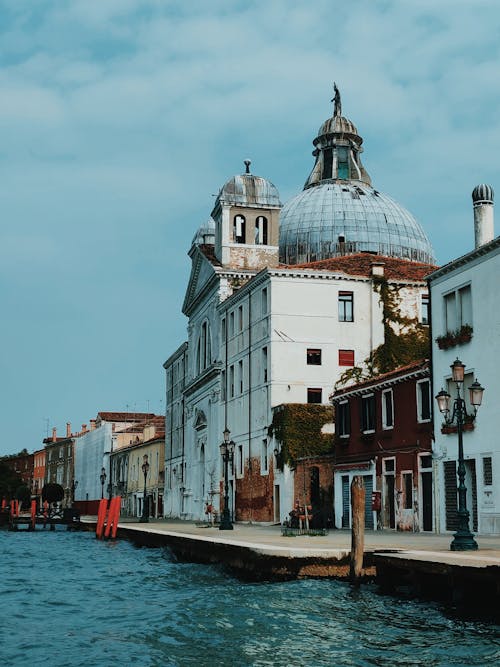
(68, 599)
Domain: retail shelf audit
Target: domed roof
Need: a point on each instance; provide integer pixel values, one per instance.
(482, 193)
(339, 212)
(334, 219)
(249, 190)
(205, 234)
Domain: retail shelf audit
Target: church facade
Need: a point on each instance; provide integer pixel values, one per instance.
(281, 301)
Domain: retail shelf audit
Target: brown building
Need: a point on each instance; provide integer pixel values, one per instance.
(22, 464)
(38, 473)
(384, 434)
(59, 463)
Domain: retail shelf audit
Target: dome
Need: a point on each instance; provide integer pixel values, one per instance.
(482, 193)
(205, 234)
(339, 212)
(249, 190)
(342, 218)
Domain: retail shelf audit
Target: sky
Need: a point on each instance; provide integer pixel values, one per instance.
(121, 119)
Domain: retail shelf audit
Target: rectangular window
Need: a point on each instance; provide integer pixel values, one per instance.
(314, 395)
(343, 419)
(368, 413)
(487, 471)
(263, 456)
(313, 357)
(465, 305)
(423, 400)
(407, 490)
(223, 385)
(389, 465)
(342, 163)
(426, 461)
(240, 459)
(264, 364)
(223, 330)
(346, 307)
(346, 357)
(231, 324)
(264, 301)
(387, 409)
(240, 375)
(458, 308)
(424, 309)
(231, 382)
(240, 318)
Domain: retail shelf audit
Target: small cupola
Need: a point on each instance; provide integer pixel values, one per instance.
(246, 215)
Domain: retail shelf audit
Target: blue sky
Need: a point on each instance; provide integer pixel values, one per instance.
(119, 120)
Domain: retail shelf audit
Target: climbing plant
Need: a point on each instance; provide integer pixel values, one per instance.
(405, 339)
(297, 427)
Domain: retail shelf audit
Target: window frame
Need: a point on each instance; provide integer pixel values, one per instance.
(420, 418)
(314, 356)
(370, 428)
(342, 358)
(315, 391)
(425, 304)
(385, 425)
(343, 418)
(343, 315)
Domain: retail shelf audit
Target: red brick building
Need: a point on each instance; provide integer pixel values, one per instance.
(384, 434)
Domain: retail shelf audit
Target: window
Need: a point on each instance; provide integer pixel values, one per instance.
(204, 351)
(368, 413)
(264, 364)
(407, 489)
(239, 229)
(231, 324)
(389, 465)
(261, 230)
(424, 309)
(346, 357)
(342, 163)
(263, 456)
(343, 419)
(314, 395)
(240, 318)
(313, 357)
(423, 400)
(240, 375)
(223, 330)
(346, 307)
(223, 385)
(264, 301)
(487, 471)
(240, 459)
(458, 308)
(231, 382)
(426, 461)
(387, 409)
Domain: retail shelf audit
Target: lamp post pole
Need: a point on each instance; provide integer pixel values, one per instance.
(145, 508)
(227, 449)
(463, 539)
(102, 477)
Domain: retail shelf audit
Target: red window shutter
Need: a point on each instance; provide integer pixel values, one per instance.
(346, 357)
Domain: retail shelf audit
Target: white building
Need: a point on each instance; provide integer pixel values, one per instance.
(262, 333)
(466, 324)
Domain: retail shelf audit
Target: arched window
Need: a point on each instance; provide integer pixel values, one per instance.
(239, 229)
(261, 230)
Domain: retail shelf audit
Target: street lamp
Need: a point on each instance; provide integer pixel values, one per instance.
(73, 489)
(463, 539)
(227, 450)
(102, 477)
(145, 512)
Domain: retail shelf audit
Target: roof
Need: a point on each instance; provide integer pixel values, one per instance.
(476, 254)
(125, 416)
(360, 264)
(419, 367)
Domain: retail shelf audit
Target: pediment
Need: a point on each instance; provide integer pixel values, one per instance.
(200, 420)
(202, 271)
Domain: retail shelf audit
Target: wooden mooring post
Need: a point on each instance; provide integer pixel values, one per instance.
(358, 528)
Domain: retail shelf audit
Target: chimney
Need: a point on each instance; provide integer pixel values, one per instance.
(68, 430)
(92, 424)
(54, 434)
(482, 201)
(84, 428)
(377, 268)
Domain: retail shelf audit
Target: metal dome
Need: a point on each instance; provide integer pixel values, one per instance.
(339, 218)
(205, 235)
(249, 190)
(482, 193)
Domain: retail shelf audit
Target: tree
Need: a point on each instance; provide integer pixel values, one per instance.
(52, 493)
(9, 481)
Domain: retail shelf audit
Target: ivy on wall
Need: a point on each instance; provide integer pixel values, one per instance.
(405, 339)
(297, 427)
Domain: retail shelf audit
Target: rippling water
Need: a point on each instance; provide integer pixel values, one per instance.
(70, 600)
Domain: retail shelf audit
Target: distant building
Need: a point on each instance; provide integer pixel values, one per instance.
(384, 434)
(59, 462)
(280, 303)
(38, 473)
(465, 302)
(22, 464)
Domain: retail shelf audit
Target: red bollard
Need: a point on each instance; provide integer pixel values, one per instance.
(33, 514)
(101, 517)
(116, 516)
(111, 516)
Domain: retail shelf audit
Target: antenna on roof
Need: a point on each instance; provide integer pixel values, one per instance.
(247, 164)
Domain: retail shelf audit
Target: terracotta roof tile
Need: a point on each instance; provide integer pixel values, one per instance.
(361, 265)
(420, 364)
(125, 416)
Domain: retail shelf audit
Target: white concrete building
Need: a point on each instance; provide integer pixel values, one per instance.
(262, 333)
(466, 324)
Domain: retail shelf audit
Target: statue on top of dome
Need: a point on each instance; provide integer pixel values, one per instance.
(337, 101)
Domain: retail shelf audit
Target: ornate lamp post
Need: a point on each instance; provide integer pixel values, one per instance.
(227, 451)
(463, 539)
(102, 477)
(145, 509)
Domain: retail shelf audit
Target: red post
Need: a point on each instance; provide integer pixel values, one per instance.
(101, 517)
(33, 514)
(4, 503)
(116, 517)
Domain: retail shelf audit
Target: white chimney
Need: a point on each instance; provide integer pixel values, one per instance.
(482, 200)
